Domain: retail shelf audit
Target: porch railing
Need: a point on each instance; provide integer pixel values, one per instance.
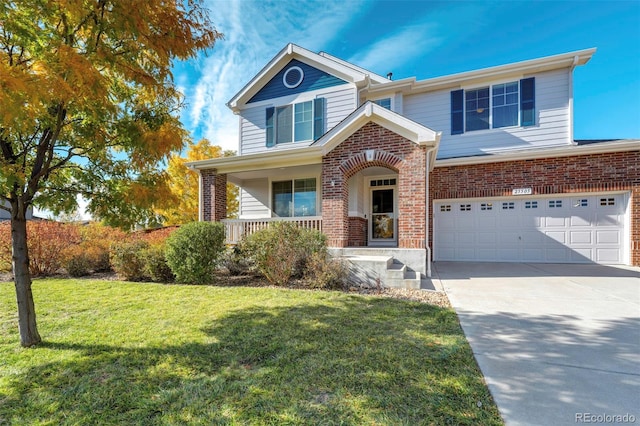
(235, 229)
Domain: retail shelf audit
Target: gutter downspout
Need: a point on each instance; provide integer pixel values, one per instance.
(368, 80)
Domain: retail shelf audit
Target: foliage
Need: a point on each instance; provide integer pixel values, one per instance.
(322, 271)
(281, 251)
(155, 264)
(126, 353)
(156, 236)
(76, 261)
(236, 262)
(184, 185)
(194, 250)
(5, 246)
(127, 259)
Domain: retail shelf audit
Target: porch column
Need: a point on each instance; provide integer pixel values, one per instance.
(214, 196)
(335, 204)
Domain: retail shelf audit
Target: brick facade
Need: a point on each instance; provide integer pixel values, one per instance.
(214, 195)
(358, 232)
(618, 171)
(391, 151)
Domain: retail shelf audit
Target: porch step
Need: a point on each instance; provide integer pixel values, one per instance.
(372, 270)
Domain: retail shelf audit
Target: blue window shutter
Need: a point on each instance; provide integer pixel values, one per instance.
(528, 101)
(318, 118)
(269, 126)
(457, 112)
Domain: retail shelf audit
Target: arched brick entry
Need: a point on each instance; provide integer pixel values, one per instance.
(391, 151)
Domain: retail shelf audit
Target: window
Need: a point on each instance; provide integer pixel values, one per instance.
(294, 198)
(465, 207)
(508, 206)
(555, 203)
(607, 201)
(530, 204)
(384, 103)
(583, 202)
(445, 208)
(294, 123)
(493, 107)
(486, 206)
(383, 182)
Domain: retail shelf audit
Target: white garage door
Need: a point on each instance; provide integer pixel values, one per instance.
(551, 229)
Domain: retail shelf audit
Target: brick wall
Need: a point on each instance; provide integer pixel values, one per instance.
(556, 175)
(393, 152)
(214, 195)
(358, 232)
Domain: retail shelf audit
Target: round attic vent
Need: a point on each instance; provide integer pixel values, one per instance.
(293, 77)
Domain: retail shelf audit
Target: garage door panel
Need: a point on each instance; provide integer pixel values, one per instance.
(608, 237)
(557, 236)
(604, 255)
(542, 229)
(580, 237)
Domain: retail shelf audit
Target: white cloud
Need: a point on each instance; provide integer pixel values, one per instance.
(254, 33)
(398, 49)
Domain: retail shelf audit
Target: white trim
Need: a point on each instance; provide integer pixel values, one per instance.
(284, 77)
(563, 151)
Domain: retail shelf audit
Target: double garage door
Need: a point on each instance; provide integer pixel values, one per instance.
(550, 229)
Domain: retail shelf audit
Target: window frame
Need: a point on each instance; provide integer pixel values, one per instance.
(289, 114)
(292, 208)
(460, 112)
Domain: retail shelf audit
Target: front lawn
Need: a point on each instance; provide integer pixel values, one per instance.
(127, 353)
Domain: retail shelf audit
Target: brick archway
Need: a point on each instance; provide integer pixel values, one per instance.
(386, 149)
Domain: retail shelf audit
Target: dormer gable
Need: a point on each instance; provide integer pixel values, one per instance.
(296, 77)
(324, 68)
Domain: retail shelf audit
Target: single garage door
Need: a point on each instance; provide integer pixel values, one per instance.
(551, 229)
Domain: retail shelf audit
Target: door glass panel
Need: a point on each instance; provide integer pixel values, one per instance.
(383, 218)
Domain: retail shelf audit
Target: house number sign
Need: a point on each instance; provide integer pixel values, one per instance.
(521, 191)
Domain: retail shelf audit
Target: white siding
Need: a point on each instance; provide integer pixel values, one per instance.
(340, 101)
(551, 128)
(254, 199)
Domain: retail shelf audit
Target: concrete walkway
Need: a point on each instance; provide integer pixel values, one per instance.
(557, 344)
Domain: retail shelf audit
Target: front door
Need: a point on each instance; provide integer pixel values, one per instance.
(383, 225)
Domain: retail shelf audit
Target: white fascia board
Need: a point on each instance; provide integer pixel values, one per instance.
(564, 60)
(369, 111)
(262, 160)
(565, 151)
(292, 51)
(375, 78)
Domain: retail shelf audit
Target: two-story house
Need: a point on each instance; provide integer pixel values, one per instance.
(476, 166)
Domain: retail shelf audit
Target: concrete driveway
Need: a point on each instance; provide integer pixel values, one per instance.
(557, 344)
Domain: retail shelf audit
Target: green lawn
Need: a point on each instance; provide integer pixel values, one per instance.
(137, 353)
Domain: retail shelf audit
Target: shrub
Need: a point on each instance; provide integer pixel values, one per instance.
(127, 259)
(97, 240)
(46, 243)
(325, 272)
(194, 250)
(5, 246)
(235, 262)
(156, 266)
(75, 261)
(281, 251)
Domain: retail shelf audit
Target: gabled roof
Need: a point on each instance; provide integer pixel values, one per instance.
(368, 112)
(324, 62)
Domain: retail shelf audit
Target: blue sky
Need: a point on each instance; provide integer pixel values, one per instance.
(423, 39)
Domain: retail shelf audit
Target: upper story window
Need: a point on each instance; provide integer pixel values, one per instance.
(384, 103)
(492, 107)
(303, 121)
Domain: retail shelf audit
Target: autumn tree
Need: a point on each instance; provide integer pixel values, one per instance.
(88, 105)
(183, 184)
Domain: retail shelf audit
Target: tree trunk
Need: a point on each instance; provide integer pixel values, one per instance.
(29, 335)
